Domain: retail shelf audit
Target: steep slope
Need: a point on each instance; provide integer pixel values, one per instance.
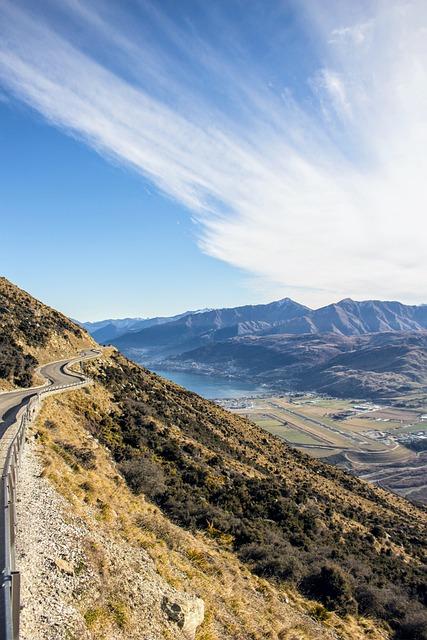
(288, 517)
(225, 511)
(128, 557)
(32, 333)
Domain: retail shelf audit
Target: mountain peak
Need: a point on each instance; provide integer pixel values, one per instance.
(288, 300)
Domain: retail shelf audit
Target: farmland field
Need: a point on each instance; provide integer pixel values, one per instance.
(291, 435)
(368, 440)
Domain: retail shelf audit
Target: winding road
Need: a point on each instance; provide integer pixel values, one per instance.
(57, 376)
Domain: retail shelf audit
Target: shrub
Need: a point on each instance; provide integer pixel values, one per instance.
(83, 456)
(331, 586)
(143, 475)
(271, 561)
(414, 628)
(371, 601)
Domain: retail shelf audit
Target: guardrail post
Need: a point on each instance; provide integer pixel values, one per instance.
(16, 602)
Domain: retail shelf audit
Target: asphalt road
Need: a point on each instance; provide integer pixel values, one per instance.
(55, 373)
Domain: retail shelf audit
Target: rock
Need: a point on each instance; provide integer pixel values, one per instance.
(188, 615)
(64, 566)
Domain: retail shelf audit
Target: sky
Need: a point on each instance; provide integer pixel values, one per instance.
(159, 156)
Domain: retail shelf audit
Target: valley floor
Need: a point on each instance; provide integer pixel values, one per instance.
(376, 442)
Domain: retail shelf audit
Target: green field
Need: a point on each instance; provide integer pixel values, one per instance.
(413, 428)
(307, 424)
(294, 436)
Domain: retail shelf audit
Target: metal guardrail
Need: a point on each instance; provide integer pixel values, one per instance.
(9, 576)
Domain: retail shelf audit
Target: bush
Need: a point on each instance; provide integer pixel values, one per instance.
(371, 601)
(83, 456)
(331, 587)
(412, 629)
(143, 475)
(278, 567)
(271, 561)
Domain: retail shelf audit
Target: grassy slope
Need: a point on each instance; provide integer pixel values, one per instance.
(239, 604)
(282, 513)
(32, 333)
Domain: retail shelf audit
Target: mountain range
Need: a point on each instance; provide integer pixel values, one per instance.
(369, 348)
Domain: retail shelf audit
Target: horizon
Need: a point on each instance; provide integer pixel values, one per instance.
(159, 157)
(191, 311)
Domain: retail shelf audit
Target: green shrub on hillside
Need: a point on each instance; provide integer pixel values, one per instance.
(186, 455)
(15, 366)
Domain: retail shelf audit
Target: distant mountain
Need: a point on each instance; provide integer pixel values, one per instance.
(160, 337)
(104, 331)
(195, 329)
(350, 318)
(371, 365)
(367, 348)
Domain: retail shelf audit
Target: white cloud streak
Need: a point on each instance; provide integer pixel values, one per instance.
(321, 196)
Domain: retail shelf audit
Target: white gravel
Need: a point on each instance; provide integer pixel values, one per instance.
(48, 548)
(58, 581)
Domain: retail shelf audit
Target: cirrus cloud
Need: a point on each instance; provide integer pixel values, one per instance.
(315, 187)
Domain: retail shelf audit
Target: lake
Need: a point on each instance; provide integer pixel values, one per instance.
(211, 386)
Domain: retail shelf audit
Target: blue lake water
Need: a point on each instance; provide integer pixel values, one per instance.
(211, 386)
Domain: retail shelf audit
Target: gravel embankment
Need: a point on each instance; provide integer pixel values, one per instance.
(60, 581)
(48, 551)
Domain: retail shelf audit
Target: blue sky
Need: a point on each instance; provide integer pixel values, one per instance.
(162, 156)
(95, 239)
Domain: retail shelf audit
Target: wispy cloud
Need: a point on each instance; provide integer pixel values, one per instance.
(317, 191)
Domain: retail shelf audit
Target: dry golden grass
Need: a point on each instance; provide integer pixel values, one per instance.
(239, 605)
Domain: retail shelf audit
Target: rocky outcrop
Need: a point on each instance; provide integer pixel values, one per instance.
(187, 614)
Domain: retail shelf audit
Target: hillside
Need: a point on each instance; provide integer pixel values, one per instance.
(276, 544)
(371, 365)
(32, 333)
(287, 518)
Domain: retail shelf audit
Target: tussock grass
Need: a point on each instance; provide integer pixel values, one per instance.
(239, 605)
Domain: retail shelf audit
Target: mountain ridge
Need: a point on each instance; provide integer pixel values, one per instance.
(275, 343)
(346, 317)
(383, 314)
